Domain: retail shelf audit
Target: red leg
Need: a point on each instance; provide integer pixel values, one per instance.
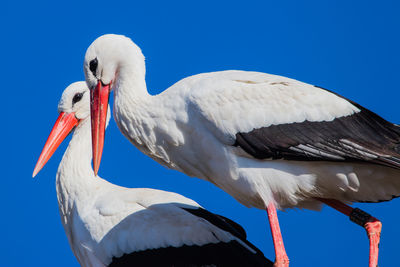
(373, 227)
(281, 259)
(371, 224)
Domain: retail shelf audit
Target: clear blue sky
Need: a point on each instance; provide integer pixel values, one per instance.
(351, 47)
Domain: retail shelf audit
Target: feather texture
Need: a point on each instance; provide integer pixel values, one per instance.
(109, 225)
(262, 138)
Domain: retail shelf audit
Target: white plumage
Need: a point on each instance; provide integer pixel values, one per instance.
(266, 140)
(105, 221)
(193, 125)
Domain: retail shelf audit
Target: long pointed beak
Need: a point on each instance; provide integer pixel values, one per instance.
(98, 111)
(63, 126)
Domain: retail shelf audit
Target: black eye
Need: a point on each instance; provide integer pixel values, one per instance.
(77, 98)
(93, 66)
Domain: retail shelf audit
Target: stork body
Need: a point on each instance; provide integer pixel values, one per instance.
(109, 225)
(266, 140)
(206, 126)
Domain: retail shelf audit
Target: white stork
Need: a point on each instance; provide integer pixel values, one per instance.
(267, 140)
(109, 225)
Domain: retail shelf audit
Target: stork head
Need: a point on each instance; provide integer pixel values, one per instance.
(73, 108)
(75, 100)
(107, 59)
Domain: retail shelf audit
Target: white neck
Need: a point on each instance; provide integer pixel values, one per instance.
(130, 80)
(131, 99)
(75, 176)
(136, 112)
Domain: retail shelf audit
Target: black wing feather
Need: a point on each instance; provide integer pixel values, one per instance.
(219, 221)
(219, 255)
(361, 137)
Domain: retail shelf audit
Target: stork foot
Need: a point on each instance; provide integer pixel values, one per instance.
(374, 228)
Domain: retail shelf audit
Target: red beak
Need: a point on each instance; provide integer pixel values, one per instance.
(98, 111)
(63, 126)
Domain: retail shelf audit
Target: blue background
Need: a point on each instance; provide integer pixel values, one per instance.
(351, 47)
